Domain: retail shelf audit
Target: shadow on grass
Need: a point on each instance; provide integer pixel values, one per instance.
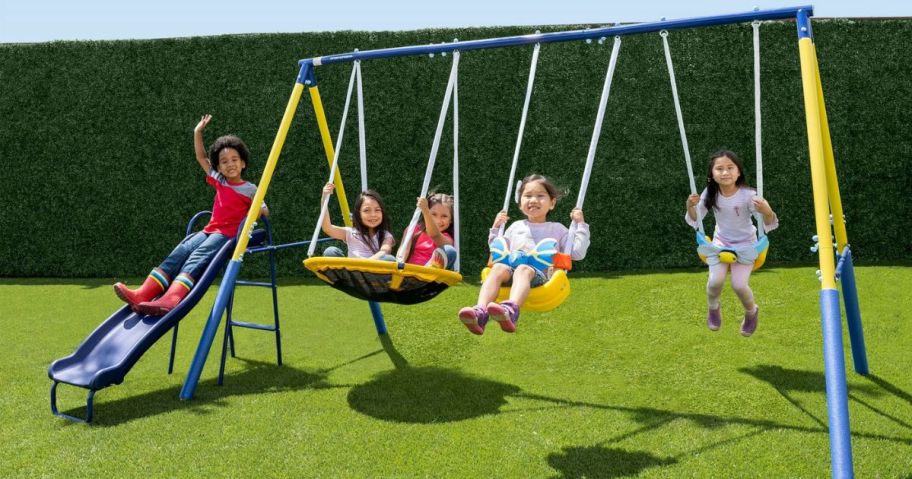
(257, 378)
(787, 381)
(431, 394)
(428, 395)
(890, 388)
(579, 462)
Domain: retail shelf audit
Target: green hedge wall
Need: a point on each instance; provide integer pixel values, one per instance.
(100, 177)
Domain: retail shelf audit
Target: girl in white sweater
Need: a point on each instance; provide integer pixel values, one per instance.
(537, 197)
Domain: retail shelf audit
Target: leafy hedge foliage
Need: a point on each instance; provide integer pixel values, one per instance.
(100, 176)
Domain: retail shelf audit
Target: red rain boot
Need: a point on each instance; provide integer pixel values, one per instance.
(149, 290)
(167, 302)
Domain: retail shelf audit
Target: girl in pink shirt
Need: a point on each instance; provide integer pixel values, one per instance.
(432, 244)
(732, 203)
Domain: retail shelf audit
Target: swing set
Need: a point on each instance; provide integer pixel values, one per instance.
(398, 282)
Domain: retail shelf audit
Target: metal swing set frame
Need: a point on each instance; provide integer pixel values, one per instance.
(835, 256)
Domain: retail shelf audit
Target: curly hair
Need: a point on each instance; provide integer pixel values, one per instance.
(228, 141)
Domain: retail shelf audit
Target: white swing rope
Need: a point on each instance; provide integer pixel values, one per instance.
(335, 162)
(456, 171)
(677, 103)
(519, 137)
(593, 143)
(362, 143)
(758, 128)
(451, 87)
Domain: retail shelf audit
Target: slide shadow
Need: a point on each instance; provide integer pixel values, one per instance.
(257, 378)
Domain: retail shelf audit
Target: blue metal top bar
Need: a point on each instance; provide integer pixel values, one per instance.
(776, 14)
(804, 25)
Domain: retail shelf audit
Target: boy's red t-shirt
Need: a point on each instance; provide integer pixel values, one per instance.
(231, 204)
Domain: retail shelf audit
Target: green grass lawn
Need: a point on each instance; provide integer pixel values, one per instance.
(624, 379)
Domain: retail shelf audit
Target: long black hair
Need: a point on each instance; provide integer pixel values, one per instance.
(360, 227)
(712, 188)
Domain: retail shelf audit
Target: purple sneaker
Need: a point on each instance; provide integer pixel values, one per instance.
(714, 319)
(474, 318)
(749, 325)
(506, 314)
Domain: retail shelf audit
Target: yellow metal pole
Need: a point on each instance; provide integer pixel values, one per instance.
(254, 211)
(330, 152)
(809, 82)
(839, 228)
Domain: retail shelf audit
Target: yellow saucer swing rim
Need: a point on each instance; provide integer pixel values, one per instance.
(319, 264)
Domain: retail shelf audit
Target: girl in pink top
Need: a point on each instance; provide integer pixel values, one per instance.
(732, 203)
(538, 196)
(432, 244)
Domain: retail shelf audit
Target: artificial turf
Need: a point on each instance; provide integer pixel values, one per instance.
(624, 379)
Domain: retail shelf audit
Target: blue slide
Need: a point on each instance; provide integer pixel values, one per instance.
(106, 356)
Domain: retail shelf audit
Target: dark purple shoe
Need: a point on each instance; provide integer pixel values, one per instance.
(506, 314)
(714, 319)
(749, 325)
(474, 318)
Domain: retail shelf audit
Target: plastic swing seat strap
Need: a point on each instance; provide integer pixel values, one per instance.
(681, 129)
(522, 128)
(593, 143)
(758, 127)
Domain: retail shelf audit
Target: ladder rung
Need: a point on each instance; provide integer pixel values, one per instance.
(253, 283)
(261, 327)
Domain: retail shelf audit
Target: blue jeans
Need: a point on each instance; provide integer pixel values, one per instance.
(193, 254)
(451, 256)
(336, 252)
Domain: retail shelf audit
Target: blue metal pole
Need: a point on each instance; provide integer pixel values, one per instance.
(837, 396)
(377, 313)
(215, 317)
(853, 315)
(596, 33)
